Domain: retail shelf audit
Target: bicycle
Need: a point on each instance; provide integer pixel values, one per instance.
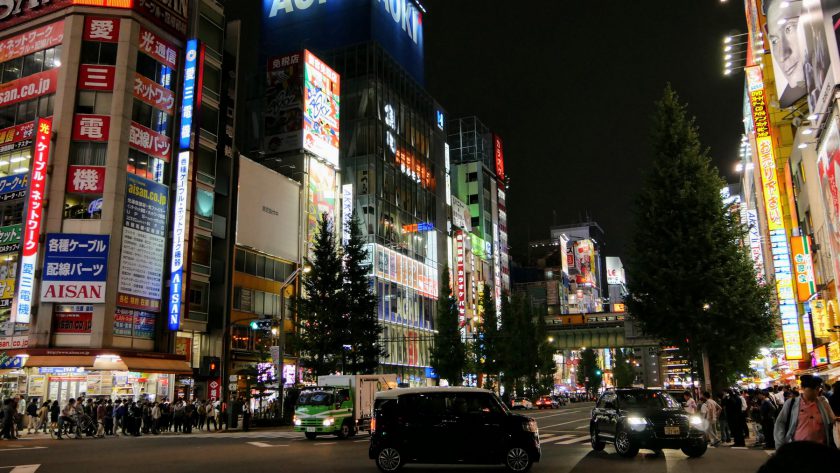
(78, 425)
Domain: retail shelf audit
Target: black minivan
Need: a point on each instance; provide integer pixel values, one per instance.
(450, 425)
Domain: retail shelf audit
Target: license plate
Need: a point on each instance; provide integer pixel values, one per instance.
(312, 429)
(672, 430)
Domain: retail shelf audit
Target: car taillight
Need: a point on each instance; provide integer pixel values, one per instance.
(373, 425)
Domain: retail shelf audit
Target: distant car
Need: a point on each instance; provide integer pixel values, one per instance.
(645, 418)
(450, 425)
(546, 402)
(561, 400)
(521, 403)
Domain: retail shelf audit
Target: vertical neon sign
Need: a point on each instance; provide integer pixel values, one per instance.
(32, 218)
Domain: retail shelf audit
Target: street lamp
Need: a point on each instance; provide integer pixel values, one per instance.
(281, 339)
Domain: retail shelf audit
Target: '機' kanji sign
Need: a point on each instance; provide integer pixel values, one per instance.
(75, 268)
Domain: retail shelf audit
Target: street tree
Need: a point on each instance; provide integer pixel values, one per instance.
(546, 367)
(623, 372)
(448, 356)
(519, 345)
(322, 313)
(363, 329)
(489, 343)
(691, 283)
(588, 372)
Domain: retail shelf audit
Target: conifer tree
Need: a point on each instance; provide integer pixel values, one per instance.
(448, 356)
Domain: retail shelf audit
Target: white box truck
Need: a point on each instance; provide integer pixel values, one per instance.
(339, 405)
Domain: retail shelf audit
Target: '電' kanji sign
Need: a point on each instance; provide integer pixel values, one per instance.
(32, 221)
(91, 127)
(75, 268)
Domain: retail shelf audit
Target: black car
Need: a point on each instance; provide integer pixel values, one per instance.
(645, 418)
(450, 425)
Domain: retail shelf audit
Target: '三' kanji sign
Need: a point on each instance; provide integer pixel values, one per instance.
(75, 268)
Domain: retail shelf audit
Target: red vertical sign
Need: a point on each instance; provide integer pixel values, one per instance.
(214, 389)
(34, 210)
(460, 277)
(106, 30)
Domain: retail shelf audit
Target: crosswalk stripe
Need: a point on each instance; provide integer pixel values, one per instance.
(574, 440)
(259, 444)
(549, 438)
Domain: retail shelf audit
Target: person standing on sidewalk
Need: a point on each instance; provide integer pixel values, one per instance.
(807, 417)
(710, 410)
(156, 414)
(100, 419)
(768, 411)
(735, 418)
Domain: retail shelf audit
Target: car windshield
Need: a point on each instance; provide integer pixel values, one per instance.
(315, 398)
(643, 399)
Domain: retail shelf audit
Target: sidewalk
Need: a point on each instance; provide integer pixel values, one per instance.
(23, 435)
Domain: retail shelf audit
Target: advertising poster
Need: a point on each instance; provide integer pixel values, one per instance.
(321, 109)
(13, 187)
(154, 94)
(149, 142)
(10, 239)
(783, 20)
(803, 268)
(134, 323)
(283, 114)
(8, 269)
(96, 77)
(583, 261)
(29, 87)
(123, 321)
(17, 137)
(615, 270)
(75, 268)
(143, 244)
(75, 318)
(158, 48)
(33, 40)
(322, 195)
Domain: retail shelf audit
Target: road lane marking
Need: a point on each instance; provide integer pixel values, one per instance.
(260, 444)
(574, 440)
(363, 440)
(25, 469)
(20, 448)
(325, 443)
(564, 423)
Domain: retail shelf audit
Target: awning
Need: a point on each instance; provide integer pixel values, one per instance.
(60, 361)
(155, 365)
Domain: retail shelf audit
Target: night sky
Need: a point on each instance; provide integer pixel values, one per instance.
(570, 87)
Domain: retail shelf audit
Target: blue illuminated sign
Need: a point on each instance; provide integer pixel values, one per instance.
(439, 119)
(188, 100)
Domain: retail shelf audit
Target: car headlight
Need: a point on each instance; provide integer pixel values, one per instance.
(296, 421)
(328, 421)
(530, 426)
(637, 423)
(696, 421)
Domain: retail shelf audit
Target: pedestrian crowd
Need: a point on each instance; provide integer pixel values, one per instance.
(772, 417)
(115, 417)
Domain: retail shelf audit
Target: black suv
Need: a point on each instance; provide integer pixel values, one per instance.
(450, 425)
(645, 418)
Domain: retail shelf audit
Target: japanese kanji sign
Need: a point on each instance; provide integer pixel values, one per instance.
(96, 77)
(158, 48)
(154, 94)
(102, 29)
(460, 277)
(85, 179)
(17, 137)
(91, 127)
(10, 238)
(176, 281)
(22, 312)
(33, 40)
(149, 142)
(75, 267)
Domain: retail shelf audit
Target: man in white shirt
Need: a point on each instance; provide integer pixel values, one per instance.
(710, 410)
(690, 404)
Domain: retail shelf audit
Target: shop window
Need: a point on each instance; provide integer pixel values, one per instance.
(154, 70)
(210, 34)
(251, 263)
(94, 102)
(198, 296)
(150, 117)
(88, 153)
(475, 222)
(260, 269)
(240, 260)
(240, 337)
(11, 214)
(146, 166)
(11, 70)
(33, 63)
(202, 250)
(94, 52)
(269, 268)
(83, 206)
(243, 299)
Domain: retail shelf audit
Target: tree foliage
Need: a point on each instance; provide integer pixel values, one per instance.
(322, 322)
(588, 373)
(623, 372)
(489, 342)
(448, 356)
(363, 328)
(691, 283)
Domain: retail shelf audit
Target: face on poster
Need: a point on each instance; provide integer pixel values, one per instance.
(783, 19)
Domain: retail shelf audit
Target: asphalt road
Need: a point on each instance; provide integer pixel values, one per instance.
(563, 433)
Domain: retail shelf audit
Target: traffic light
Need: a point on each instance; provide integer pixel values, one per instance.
(598, 372)
(261, 324)
(210, 366)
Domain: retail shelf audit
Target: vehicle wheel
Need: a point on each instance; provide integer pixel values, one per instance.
(597, 445)
(345, 432)
(389, 459)
(624, 445)
(311, 435)
(695, 451)
(518, 459)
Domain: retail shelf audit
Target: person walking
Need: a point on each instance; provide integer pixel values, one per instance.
(31, 415)
(100, 419)
(689, 403)
(735, 418)
(189, 414)
(807, 417)
(43, 415)
(7, 431)
(55, 413)
(768, 413)
(710, 410)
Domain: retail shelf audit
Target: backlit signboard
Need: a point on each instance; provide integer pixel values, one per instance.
(75, 268)
(179, 217)
(191, 95)
(33, 217)
(346, 211)
(499, 155)
(803, 268)
(321, 98)
(460, 277)
(756, 253)
(773, 208)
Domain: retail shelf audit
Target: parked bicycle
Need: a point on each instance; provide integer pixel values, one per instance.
(77, 426)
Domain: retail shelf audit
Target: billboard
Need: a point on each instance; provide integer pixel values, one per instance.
(461, 217)
(30, 41)
(754, 234)
(75, 268)
(615, 270)
(828, 164)
(72, 318)
(143, 244)
(499, 156)
(268, 211)
(779, 247)
(29, 87)
(321, 96)
(461, 276)
(397, 25)
(283, 113)
(786, 49)
(803, 267)
(322, 196)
